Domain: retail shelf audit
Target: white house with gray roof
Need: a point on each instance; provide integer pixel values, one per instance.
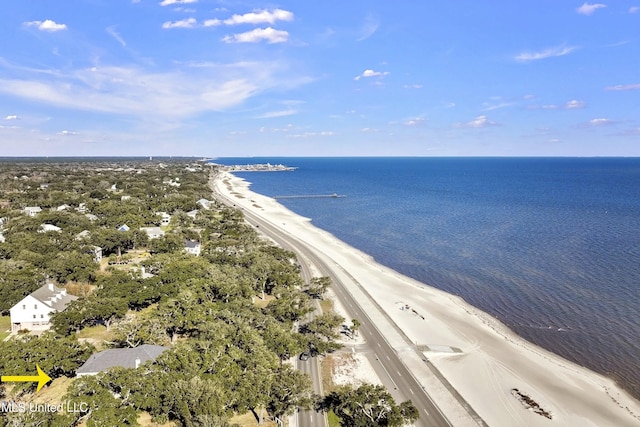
(153, 232)
(33, 311)
(192, 247)
(32, 210)
(122, 357)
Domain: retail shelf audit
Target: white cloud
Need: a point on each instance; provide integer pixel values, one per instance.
(170, 2)
(132, 91)
(281, 113)
(574, 104)
(311, 134)
(414, 86)
(183, 23)
(633, 86)
(600, 122)
(369, 27)
(478, 122)
(47, 25)
(634, 9)
(257, 35)
(212, 22)
(588, 9)
(547, 53)
(113, 33)
(11, 117)
(371, 73)
(67, 133)
(260, 17)
(490, 107)
(415, 121)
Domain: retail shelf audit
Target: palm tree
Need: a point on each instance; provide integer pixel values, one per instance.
(355, 324)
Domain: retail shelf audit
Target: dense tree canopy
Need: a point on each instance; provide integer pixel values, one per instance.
(227, 316)
(368, 406)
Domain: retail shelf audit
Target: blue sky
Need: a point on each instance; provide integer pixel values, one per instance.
(305, 78)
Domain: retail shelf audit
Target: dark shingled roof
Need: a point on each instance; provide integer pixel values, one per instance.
(123, 357)
(191, 244)
(48, 291)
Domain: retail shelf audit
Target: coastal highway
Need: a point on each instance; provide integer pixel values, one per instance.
(310, 367)
(405, 386)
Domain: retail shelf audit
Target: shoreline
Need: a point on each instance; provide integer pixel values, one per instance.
(481, 357)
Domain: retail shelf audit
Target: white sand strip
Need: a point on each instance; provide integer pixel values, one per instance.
(493, 362)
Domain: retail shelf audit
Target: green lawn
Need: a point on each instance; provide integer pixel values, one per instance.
(5, 327)
(333, 419)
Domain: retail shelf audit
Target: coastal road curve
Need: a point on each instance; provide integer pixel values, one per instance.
(407, 386)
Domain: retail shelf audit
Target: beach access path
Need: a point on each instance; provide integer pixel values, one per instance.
(481, 359)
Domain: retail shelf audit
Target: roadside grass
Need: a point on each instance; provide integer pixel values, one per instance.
(326, 372)
(326, 305)
(5, 327)
(249, 420)
(326, 369)
(333, 419)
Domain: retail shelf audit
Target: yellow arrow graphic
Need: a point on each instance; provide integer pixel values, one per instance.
(41, 378)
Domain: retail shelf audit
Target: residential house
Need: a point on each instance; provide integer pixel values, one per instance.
(206, 204)
(91, 217)
(166, 218)
(44, 228)
(131, 358)
(193, 213)
(32, 210)
(84, 234)
(153, 232)
(63, 207)
(192, 247)
(173, 183)
(2, 238)
(82, 208)
(124, 227)
(97, 253)
(142, 270)
(33, 311)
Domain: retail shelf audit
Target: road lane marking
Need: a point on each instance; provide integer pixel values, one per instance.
(425, 411)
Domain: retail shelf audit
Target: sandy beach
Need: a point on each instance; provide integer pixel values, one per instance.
(503, 377)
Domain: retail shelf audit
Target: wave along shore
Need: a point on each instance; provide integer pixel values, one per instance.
(496, 371)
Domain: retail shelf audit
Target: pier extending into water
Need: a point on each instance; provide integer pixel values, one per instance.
(312, 196)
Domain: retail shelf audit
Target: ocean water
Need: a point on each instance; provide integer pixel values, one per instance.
(550, 246)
